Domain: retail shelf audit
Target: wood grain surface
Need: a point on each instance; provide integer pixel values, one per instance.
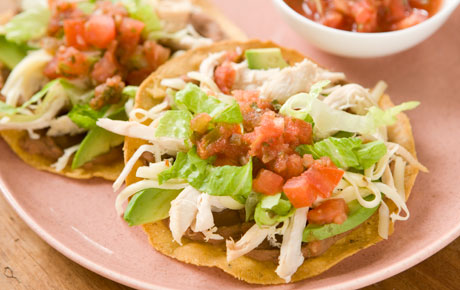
(27, 262)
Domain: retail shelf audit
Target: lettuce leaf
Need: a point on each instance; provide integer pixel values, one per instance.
(346, 152)
(251, 203)
(328, 121)
(11, 53)
(145, 12)
(175, 124)
(28, 25)
(85, 116)
(195, 100)
(189, 166)
(370, 153)
(273, 209)
(234, 181)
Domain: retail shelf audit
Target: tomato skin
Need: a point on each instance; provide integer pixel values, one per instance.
(68, 62)
(107, 66)
(300, 192)
(74, 30)
(365, 16)
(224, 77)
(268, 182)
(330, 211)
(100, 31)
(325, 178)
(200, 123)
(413, 19)
(130, 33)
(155, 54)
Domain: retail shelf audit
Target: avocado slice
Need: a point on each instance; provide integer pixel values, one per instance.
(11, 53)
(150, 205)
(98, 141)
(265, 58)
(356, 216)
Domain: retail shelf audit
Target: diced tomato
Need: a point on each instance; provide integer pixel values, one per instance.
(365, 16)
(300, 192)
(252, 107)
(297, 132)
(136, 77)
(287, 165)
(224, 77)
(61, 11)
(307, 160)
(51, 70)
(333, 19)
(414, 18)
(200, 123)
(155, 54)
(324, 178)
(268, 182)
(341, 6)
(330, 211)
(70, 63)
(107, 66)
(74, 30)
(398, 9)
(100, 30)
(130, 33)
(224, 140)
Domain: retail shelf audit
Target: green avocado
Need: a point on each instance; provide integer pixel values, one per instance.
(98, 141)
(149, 205)
(356, 216)
(265, 58)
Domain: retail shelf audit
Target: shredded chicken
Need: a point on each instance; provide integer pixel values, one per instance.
(251, 239)
(26, 78)
(352, 97)
(251, 79)
(291, 256)
(183, 211)
(63, 126)
(292, 80)
(210, 63)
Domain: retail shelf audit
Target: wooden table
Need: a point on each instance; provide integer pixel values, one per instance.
(27, 262)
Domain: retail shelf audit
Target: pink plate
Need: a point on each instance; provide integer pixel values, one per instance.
(79, 220)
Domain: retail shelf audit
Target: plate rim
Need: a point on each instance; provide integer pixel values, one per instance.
(359, 282)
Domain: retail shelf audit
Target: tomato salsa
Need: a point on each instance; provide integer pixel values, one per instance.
(366, 15)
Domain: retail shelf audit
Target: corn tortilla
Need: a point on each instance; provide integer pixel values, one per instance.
(244, 268)
(109, 171)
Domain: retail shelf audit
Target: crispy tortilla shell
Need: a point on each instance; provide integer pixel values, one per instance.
(109, 171)
(244, 268)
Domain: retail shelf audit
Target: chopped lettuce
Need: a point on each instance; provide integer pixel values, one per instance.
(10, 110)
(188, 165)
(195, 100)
(11, 53)
(145, 12)
(370, 153)
(328, 121)
(346, 152)
(130, 91)
(86, 117)
(28, 25)
(251, 203)
(175, 124)
(273, 209)
(233, 181)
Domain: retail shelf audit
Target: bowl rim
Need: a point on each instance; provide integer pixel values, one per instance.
(447, 7)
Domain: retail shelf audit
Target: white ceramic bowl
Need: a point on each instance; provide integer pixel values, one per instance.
(364, 45)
